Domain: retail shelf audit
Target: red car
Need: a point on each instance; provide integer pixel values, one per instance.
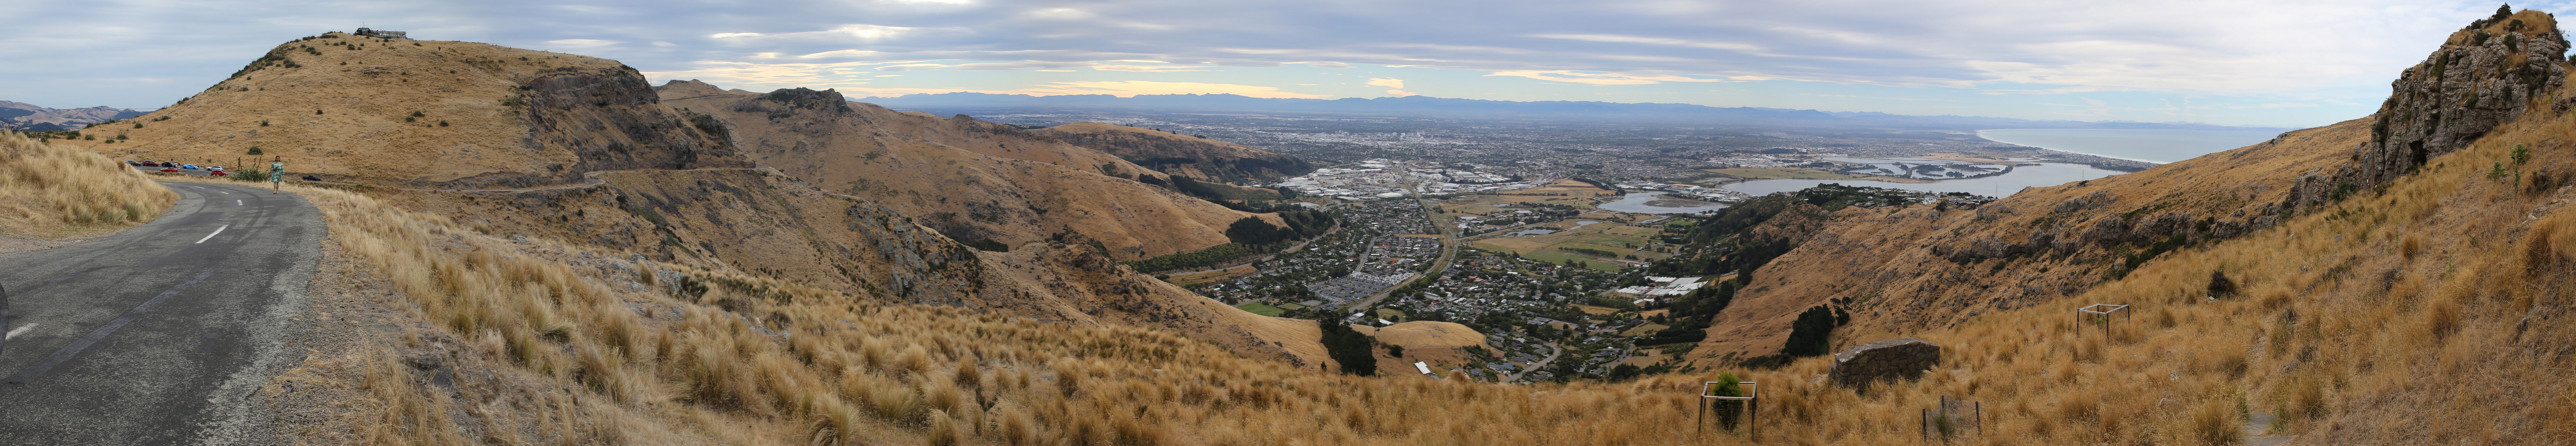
(170, 169)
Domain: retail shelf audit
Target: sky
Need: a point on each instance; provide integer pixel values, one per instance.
(2263, 63)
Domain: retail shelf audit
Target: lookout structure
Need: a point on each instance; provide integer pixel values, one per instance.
(383, 33)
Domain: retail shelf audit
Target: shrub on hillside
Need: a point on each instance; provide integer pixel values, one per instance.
(1349, 348)
(1811, 334)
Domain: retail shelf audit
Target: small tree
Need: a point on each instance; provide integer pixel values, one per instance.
(254, 150)
(1729, 411)
(1348, 347)
(2219, 285)
(1808, 335)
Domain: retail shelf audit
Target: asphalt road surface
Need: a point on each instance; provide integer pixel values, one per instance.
(161, 334)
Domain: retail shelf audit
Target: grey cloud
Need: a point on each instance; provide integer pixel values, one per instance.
(2327, 48)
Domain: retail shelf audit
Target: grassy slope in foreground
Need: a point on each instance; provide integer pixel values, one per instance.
(50, 192)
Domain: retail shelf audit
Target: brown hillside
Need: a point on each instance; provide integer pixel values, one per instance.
(970, 179)
(760, 222)
(421, 113)
(1179, 154)
(1915, 268)
(564, 119)
(1441, 344)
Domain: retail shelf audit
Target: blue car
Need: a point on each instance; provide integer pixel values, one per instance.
(188, 166)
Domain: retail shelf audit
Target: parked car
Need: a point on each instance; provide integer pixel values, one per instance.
(312, 178)
(169, 164)
(170, 169)
(214, 167)
(188, 166)
(217, 171)
(149, 163)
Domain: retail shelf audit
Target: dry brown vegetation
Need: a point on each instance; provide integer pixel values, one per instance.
(2338, 330)
(443, 113)
(50, 192)
(641, 354)
(967, 178)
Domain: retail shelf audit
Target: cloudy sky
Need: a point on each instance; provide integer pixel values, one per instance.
(2274, 63)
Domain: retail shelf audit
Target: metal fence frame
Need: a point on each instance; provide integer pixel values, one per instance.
(1752, 404)
(2104, 311)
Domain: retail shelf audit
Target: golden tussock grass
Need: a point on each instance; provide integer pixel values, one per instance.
(48, 191)
(2387, 317)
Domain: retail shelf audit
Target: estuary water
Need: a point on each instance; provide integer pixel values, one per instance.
(1646, 203)
(2043, 174)
(2154, 146)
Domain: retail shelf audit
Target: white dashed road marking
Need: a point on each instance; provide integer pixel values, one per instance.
(218, 230)
(237, 202)
(22, 329)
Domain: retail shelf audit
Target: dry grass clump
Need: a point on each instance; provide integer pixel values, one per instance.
(51, 192)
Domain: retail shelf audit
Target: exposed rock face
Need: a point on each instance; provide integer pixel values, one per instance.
(2484, 75)
(610, 119)
(1884, 360)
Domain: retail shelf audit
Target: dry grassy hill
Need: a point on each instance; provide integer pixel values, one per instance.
(1443, 345)
(50, 192)
(673, 188)
(1179, 154)
(1915, 268)
(420, 113)
(970, 179)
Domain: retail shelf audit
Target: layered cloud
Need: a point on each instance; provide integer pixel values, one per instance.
(2289, 52)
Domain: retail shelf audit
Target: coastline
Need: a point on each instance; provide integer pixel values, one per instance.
(1981, 134)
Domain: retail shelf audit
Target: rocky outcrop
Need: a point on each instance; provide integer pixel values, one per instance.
(2483, 76)
(610, 119)
(1891, 359)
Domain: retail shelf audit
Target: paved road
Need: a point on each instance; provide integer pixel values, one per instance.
(1553, 351)
(160, 334)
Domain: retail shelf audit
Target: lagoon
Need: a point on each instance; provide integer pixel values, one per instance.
(2154, 146)
(1646, 203)
(2040, 174)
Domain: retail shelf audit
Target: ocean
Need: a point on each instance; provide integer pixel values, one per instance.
(2043, 174)
(2155, 146)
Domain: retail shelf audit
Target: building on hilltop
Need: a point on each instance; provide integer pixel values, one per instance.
(383, 33)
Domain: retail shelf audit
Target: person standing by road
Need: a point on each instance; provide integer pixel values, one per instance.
(276, 174)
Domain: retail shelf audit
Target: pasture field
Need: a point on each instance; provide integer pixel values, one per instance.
(1196, 279)
(1262, 309)
(1611, 237)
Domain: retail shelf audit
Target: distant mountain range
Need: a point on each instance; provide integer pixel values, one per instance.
(974, 103)
(25, 117)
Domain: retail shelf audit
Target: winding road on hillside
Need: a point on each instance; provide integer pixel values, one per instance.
(161, 334)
